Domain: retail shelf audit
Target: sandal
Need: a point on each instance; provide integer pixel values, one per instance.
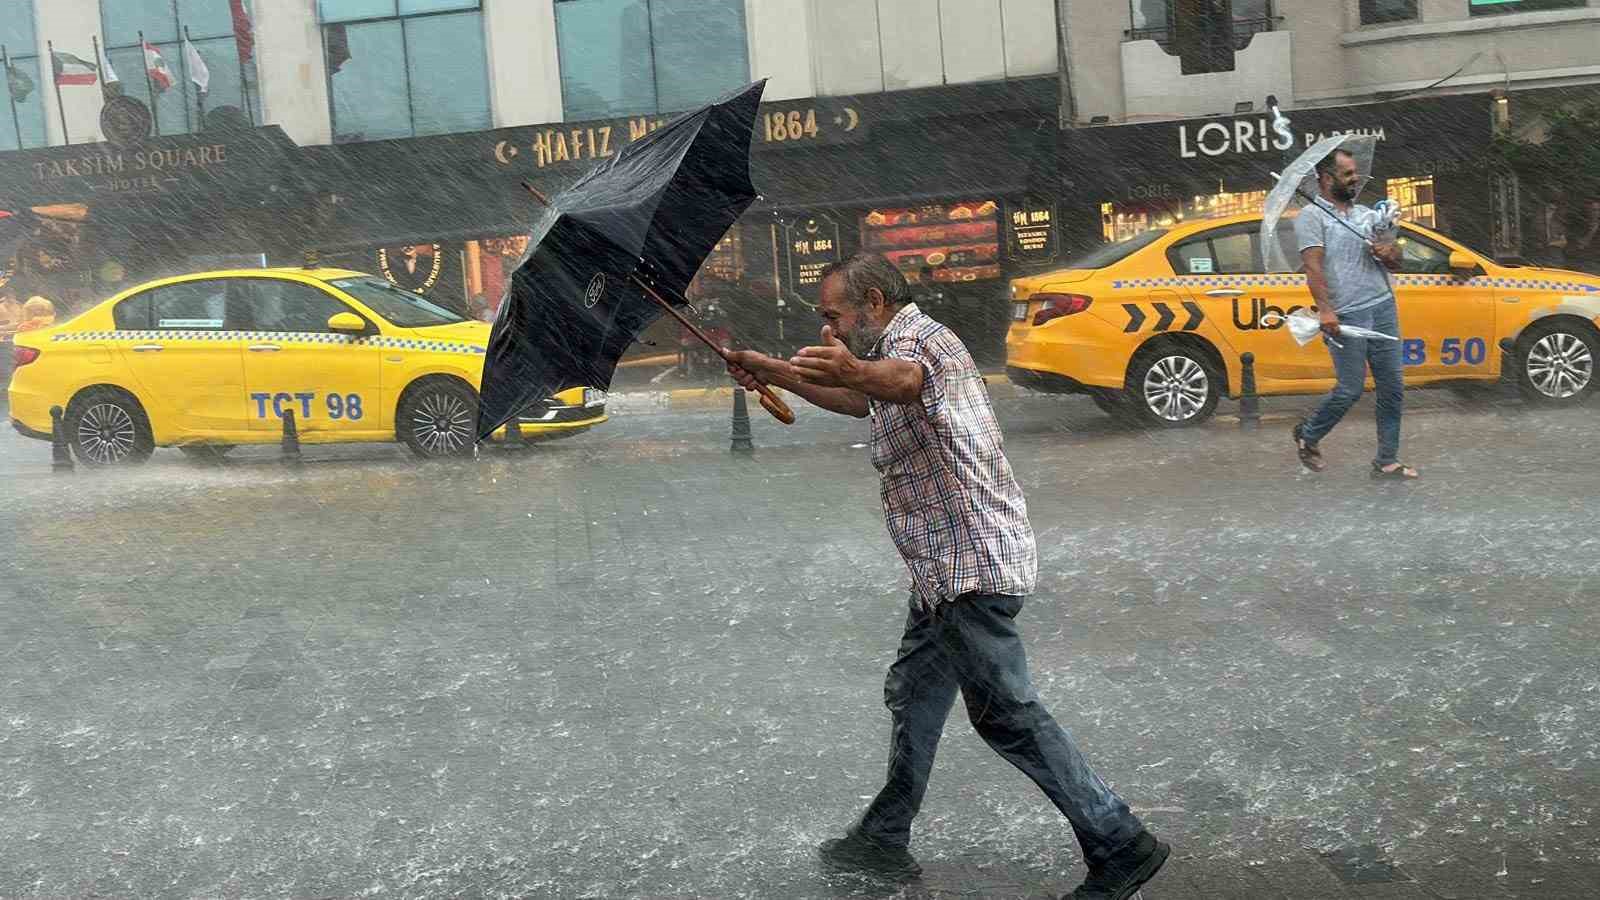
(1400, 472)
(1310, 456)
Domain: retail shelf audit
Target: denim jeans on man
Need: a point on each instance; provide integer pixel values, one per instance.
(1350, 362)
(971, 645)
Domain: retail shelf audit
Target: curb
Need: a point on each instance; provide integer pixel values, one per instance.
(701, 399)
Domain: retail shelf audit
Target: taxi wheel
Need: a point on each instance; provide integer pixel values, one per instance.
(1172, 386)
(106, 427)
(1556, 362)
(1113, 404)
(438, 419)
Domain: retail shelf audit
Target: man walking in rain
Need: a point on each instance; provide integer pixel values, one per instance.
(958, 518)
(1348, 282)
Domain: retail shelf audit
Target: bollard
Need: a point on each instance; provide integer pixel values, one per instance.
(291, 439)
(60, 453)
(741, 424)
(1249, 403)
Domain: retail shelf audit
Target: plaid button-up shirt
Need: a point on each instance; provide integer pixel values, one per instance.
(952, 505)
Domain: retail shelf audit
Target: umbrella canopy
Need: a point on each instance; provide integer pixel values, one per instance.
(1297, 185)
(653, 212)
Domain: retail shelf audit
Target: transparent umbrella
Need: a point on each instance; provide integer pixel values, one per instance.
(1297, 186)
(1304, 328)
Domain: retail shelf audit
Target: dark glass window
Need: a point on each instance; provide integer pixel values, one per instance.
(401, 68)
(25, 79)
(181, 107)
(1232, 250)
(133, 314)
(277, 305)
(631, 57)
(191, 306)
(1496, 7)
(1378, 12)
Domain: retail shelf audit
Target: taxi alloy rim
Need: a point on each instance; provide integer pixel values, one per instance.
(106, 433)
(1560, 365)
(442, 424)
(1176, 388)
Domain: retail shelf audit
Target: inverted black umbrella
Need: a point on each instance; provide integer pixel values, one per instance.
(613, 252)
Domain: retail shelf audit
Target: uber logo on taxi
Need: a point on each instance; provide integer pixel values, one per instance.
(1260, 310)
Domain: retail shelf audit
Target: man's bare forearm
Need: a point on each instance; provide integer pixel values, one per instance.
(836, 400)
(890, 380)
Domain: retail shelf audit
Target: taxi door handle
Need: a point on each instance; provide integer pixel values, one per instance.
(264, 348)
(1224, 292)
(146, 348)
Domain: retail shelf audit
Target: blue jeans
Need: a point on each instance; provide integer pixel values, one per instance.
(972, 645)
(1350, 364)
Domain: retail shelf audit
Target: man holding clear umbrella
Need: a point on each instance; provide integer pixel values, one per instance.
(1345, 253)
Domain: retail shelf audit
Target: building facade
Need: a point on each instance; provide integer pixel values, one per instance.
(968, 140)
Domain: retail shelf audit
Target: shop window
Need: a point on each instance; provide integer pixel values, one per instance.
(1380, 12)
(1415, 196)
(224, 44)
(952, 242)
(403, 68)
(1497, 7)
(25, 78)
(1122, 220)
(641, 57)
(1204, 34)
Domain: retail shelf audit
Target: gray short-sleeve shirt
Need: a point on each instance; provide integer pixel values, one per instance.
(1356, 280)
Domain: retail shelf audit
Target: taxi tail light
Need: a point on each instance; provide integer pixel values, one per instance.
(1058, 305)
(21, 356)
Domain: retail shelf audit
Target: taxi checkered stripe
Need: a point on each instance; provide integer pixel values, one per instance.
(1287, 280)
(287, 337)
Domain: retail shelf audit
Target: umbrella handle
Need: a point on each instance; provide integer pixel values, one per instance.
(770, 401)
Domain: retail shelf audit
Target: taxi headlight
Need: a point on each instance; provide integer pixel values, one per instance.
(593, 397)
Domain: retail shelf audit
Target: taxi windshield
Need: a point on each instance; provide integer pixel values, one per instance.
(401, 308)
(1108, 254)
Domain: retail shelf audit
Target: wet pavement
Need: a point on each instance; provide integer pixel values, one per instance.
(631, 664)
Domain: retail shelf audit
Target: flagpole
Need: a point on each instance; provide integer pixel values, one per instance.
(239, 50)
(149, 86)
(56, 78)
(244, 84)
(5, 59)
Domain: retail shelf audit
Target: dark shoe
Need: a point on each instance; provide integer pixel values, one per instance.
(856, 852)
(1122, 875)
(1310, 456)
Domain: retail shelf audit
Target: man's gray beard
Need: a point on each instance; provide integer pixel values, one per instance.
(863, 339)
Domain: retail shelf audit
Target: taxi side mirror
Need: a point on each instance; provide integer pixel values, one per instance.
(346, 323)
(1461, 261)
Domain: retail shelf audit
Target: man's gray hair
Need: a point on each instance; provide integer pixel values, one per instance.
(865, 271)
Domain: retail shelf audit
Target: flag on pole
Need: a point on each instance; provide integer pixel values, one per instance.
(18, 82)
(243, 39)
(108, 75)
(160, 75)
(70, 69)
(198, 71)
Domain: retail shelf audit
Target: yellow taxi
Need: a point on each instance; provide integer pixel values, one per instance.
(1154, 327)
(207, 361)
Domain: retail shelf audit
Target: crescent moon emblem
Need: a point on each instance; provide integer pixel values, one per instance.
(854, 119)
(504, 151)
